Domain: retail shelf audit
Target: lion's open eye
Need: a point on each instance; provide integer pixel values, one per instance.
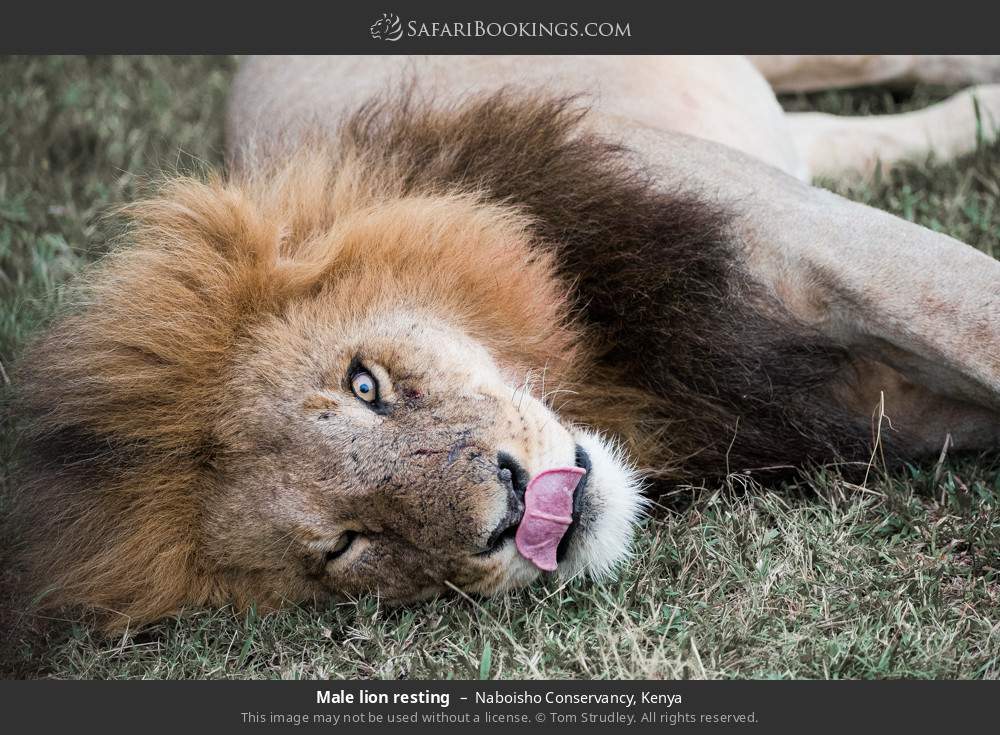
(342, 545)
(365, 387)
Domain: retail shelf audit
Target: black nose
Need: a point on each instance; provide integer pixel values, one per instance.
(514, 478)
(512, 474)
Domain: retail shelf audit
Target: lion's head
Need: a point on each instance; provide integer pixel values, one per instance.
(305, 382)
(388, 28)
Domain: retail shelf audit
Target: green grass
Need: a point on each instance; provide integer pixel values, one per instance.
(814, 579)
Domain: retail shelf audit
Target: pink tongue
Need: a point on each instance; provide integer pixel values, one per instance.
(548, 512)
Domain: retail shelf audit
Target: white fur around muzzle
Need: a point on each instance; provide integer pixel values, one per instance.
(613, 507)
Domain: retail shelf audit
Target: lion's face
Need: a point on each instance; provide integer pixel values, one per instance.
(389, 452)
(388, 28)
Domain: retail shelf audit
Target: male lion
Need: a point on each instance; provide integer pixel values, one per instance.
(443, 314)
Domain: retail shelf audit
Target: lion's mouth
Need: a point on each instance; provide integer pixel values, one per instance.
(552, 507)
(508, 529)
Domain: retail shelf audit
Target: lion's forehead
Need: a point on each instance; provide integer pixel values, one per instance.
(317, 344)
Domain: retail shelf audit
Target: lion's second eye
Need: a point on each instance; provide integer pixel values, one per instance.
(342, 545)
(364, 387)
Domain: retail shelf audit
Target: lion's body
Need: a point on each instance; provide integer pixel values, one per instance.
(526, 294)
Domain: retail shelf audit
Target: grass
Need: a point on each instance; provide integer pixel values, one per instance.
(817, 578)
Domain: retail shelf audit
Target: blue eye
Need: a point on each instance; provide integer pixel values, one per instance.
(363, 385)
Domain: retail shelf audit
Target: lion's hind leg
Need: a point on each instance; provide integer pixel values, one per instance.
(835, 146)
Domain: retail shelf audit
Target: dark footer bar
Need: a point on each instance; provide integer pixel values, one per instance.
(383, 706)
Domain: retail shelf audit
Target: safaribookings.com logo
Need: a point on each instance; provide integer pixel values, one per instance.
(390, 28)
(387, 28)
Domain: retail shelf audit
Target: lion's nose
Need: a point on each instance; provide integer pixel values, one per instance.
(512, 475)
(514, 479)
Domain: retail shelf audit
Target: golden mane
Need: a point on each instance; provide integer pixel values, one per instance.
(120, 399)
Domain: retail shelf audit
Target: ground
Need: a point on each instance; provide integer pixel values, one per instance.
(899, 577)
